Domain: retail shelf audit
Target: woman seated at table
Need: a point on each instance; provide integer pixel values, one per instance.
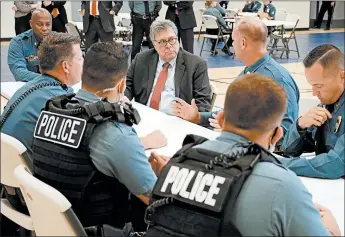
(214, 9)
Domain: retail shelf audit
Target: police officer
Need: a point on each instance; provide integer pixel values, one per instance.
(326, 6)
(110, 161)
(252, 6)
(254, 33)
(22, 52)
(269, 11)
(196, 195)
(60, 60)
(322, 128)
(143, 13)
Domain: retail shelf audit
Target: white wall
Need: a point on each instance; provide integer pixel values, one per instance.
(7, 18)
(301, 8)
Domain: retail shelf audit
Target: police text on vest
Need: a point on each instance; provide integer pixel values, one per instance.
(178, 180)
(61, 129)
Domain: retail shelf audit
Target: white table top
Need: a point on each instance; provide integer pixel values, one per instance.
(266, 22)
(329, 193)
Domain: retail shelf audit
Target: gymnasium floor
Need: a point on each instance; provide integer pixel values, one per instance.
(224, 69)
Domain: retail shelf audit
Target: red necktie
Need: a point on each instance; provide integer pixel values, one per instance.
(55, 12)
(94, 8)
(157, 91)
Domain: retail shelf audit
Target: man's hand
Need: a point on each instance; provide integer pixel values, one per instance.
(111, 12)
(154, 140)
(158, 162)
(214, 123)
(82, 12)
(189, 112)
(14, 8)
(328, 220)
(332, 4)
(316, 116)
(47, 3)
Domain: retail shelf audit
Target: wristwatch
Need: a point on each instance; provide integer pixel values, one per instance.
(299, 129)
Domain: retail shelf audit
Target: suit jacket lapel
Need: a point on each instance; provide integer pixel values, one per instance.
(152, 73)
(179, 72)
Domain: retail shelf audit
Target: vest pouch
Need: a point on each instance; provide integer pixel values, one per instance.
(174, 220)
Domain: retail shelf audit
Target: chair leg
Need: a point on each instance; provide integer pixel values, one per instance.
(215, 48)
(202, 46)
(199, 33)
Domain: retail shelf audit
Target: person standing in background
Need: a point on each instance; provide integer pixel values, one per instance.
(22, 15)
(143, 13)
(98, 20)
(58, 12)
(182, 14)
(326, 6)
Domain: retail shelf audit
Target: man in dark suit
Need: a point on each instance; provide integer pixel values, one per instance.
(162, 76)
(58, 12)
(98, 20)
(182, 14)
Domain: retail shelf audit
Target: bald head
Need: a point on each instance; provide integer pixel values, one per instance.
(41, 23)
(253, 29)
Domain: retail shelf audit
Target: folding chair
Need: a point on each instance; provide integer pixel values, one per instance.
(211, 22)
(202, 10)
(285, 37)
(74, 30)
(51, 212)
(12, 155)
(280, 14)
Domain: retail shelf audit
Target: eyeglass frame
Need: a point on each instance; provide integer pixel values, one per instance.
(166, 42)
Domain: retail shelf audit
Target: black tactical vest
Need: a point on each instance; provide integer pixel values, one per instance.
(197, 190)
(61, 158)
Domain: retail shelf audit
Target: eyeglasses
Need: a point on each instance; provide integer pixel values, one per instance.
(163, 43)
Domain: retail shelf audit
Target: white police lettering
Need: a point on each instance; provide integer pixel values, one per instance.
(179, 181)
(62, 129)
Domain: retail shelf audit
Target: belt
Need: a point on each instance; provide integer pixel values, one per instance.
(91, 16)
(137, 15)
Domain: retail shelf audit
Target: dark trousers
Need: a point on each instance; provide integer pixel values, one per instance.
(186, 36)
(215, 32)
(96, 32)
(57, 25)
(22, 24)
(324, 7)
(137, 214)
(140, 26)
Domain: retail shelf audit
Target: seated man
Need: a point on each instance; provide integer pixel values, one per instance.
(214, 9)
(250, 40)
(60, 61)
(269, 11)
(99, 192)
(252, 6)
(158, 75)
(322, 128)
(272, 201)
(22, 52)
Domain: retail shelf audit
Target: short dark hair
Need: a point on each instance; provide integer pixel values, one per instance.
(254, 102)
(329, 57)
(55, 48)
(105, 64)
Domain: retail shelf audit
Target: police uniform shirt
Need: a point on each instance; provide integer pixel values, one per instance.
(139, 6)
(270, 10)
(22, 121)
(273, 200)
(22, 56)
(269, 67)
(116, 150)
(329, 164)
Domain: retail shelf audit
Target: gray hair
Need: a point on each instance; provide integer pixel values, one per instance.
(161, 25)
